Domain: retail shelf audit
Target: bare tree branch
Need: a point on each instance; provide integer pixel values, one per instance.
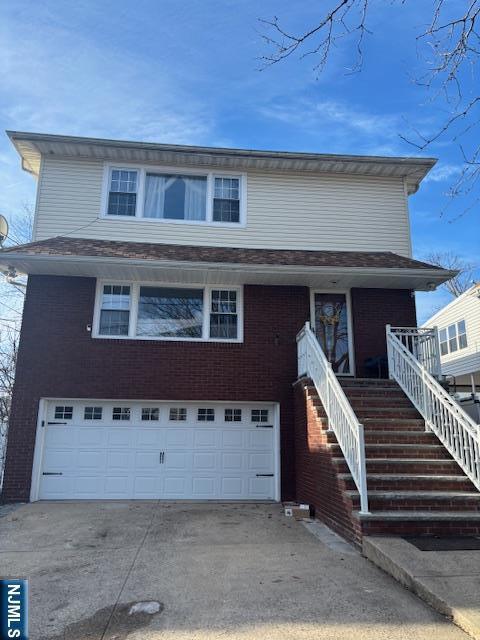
(449, 52)
(466, 271)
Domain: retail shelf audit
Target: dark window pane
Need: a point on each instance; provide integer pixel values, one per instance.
(168, 313)
(223, 326)
(443, 348)
(114, 323)
(462, 341)
(226, 210)
(121, 204)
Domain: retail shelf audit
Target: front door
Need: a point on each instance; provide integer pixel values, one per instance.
(332, 328)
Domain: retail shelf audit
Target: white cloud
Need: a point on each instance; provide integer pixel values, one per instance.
(443, 172)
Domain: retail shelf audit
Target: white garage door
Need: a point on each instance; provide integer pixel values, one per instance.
(181, 450)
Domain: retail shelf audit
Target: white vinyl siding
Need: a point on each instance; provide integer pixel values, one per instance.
(467, 308)
(296, 211)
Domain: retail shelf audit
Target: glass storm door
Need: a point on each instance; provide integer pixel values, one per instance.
(332, 329)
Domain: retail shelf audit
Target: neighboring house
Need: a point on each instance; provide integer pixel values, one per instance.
(158, 356)
(459, 334)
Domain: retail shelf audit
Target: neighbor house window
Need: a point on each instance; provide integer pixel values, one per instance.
(122, 195)
(115, 310)
(63, 413)
(164, 195)
(226, 200)
(175, 197)
(168, 313)
(453, 338)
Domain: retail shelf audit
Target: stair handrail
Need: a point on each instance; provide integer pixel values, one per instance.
(342, 420)
(443, 416)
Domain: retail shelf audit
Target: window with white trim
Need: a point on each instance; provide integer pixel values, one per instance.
(178, 414)
(226, 200)
(121, 413)
(92, 413)
(206, 415)
(168, 313)
(115, 310)
(233, 415)
(172, 195)
(453, 338)
(122, 193)
(63, 413)
(150, 413)
(259, 415)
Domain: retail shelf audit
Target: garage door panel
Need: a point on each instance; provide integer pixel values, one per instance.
(204, 487)
(154, 437)
(178, 460)
(260, 439)
(90, 437)
(179, 438)
(120, 437)
(233, 439)
(119, 460)
(204, 460)
(58, 459)
(147, 461)
(205, 438)
(176, 486)
(232, 461)
(58, 437)
(152, 456)
(120, 486)
(91, 460)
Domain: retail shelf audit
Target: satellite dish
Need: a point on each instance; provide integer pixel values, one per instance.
(3, 229)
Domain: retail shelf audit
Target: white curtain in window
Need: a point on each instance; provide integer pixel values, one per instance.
(195, 196)
(155, 187)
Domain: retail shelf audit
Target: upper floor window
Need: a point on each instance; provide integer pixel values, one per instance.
(163, 312)
(122, 196)
(453, 338)
(168, 196)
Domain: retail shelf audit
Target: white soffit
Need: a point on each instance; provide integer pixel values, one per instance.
(31, 146)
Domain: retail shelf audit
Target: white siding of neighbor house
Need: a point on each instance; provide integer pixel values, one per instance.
(300, 211)
(466, 307)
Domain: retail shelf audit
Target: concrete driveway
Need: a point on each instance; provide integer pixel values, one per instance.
(216, 571)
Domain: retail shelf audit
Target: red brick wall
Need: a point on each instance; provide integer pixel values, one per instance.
(372, 309)
(59, 358)
(317, 478)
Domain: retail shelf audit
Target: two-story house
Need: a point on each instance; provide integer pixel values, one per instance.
(458, 326)
(167, 286)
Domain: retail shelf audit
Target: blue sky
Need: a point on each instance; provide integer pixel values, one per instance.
(186, 71)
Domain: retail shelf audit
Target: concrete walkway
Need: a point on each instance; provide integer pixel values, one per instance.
(205, 571)
(448, 580)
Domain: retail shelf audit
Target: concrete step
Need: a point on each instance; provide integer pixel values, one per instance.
(374, 392)
(385, 402)
(411, 482)
(404, 465)
(422, 516)
(419, 500)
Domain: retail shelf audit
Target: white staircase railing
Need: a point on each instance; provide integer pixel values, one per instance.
(341, 417)
(423, 344)
(443, 416)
